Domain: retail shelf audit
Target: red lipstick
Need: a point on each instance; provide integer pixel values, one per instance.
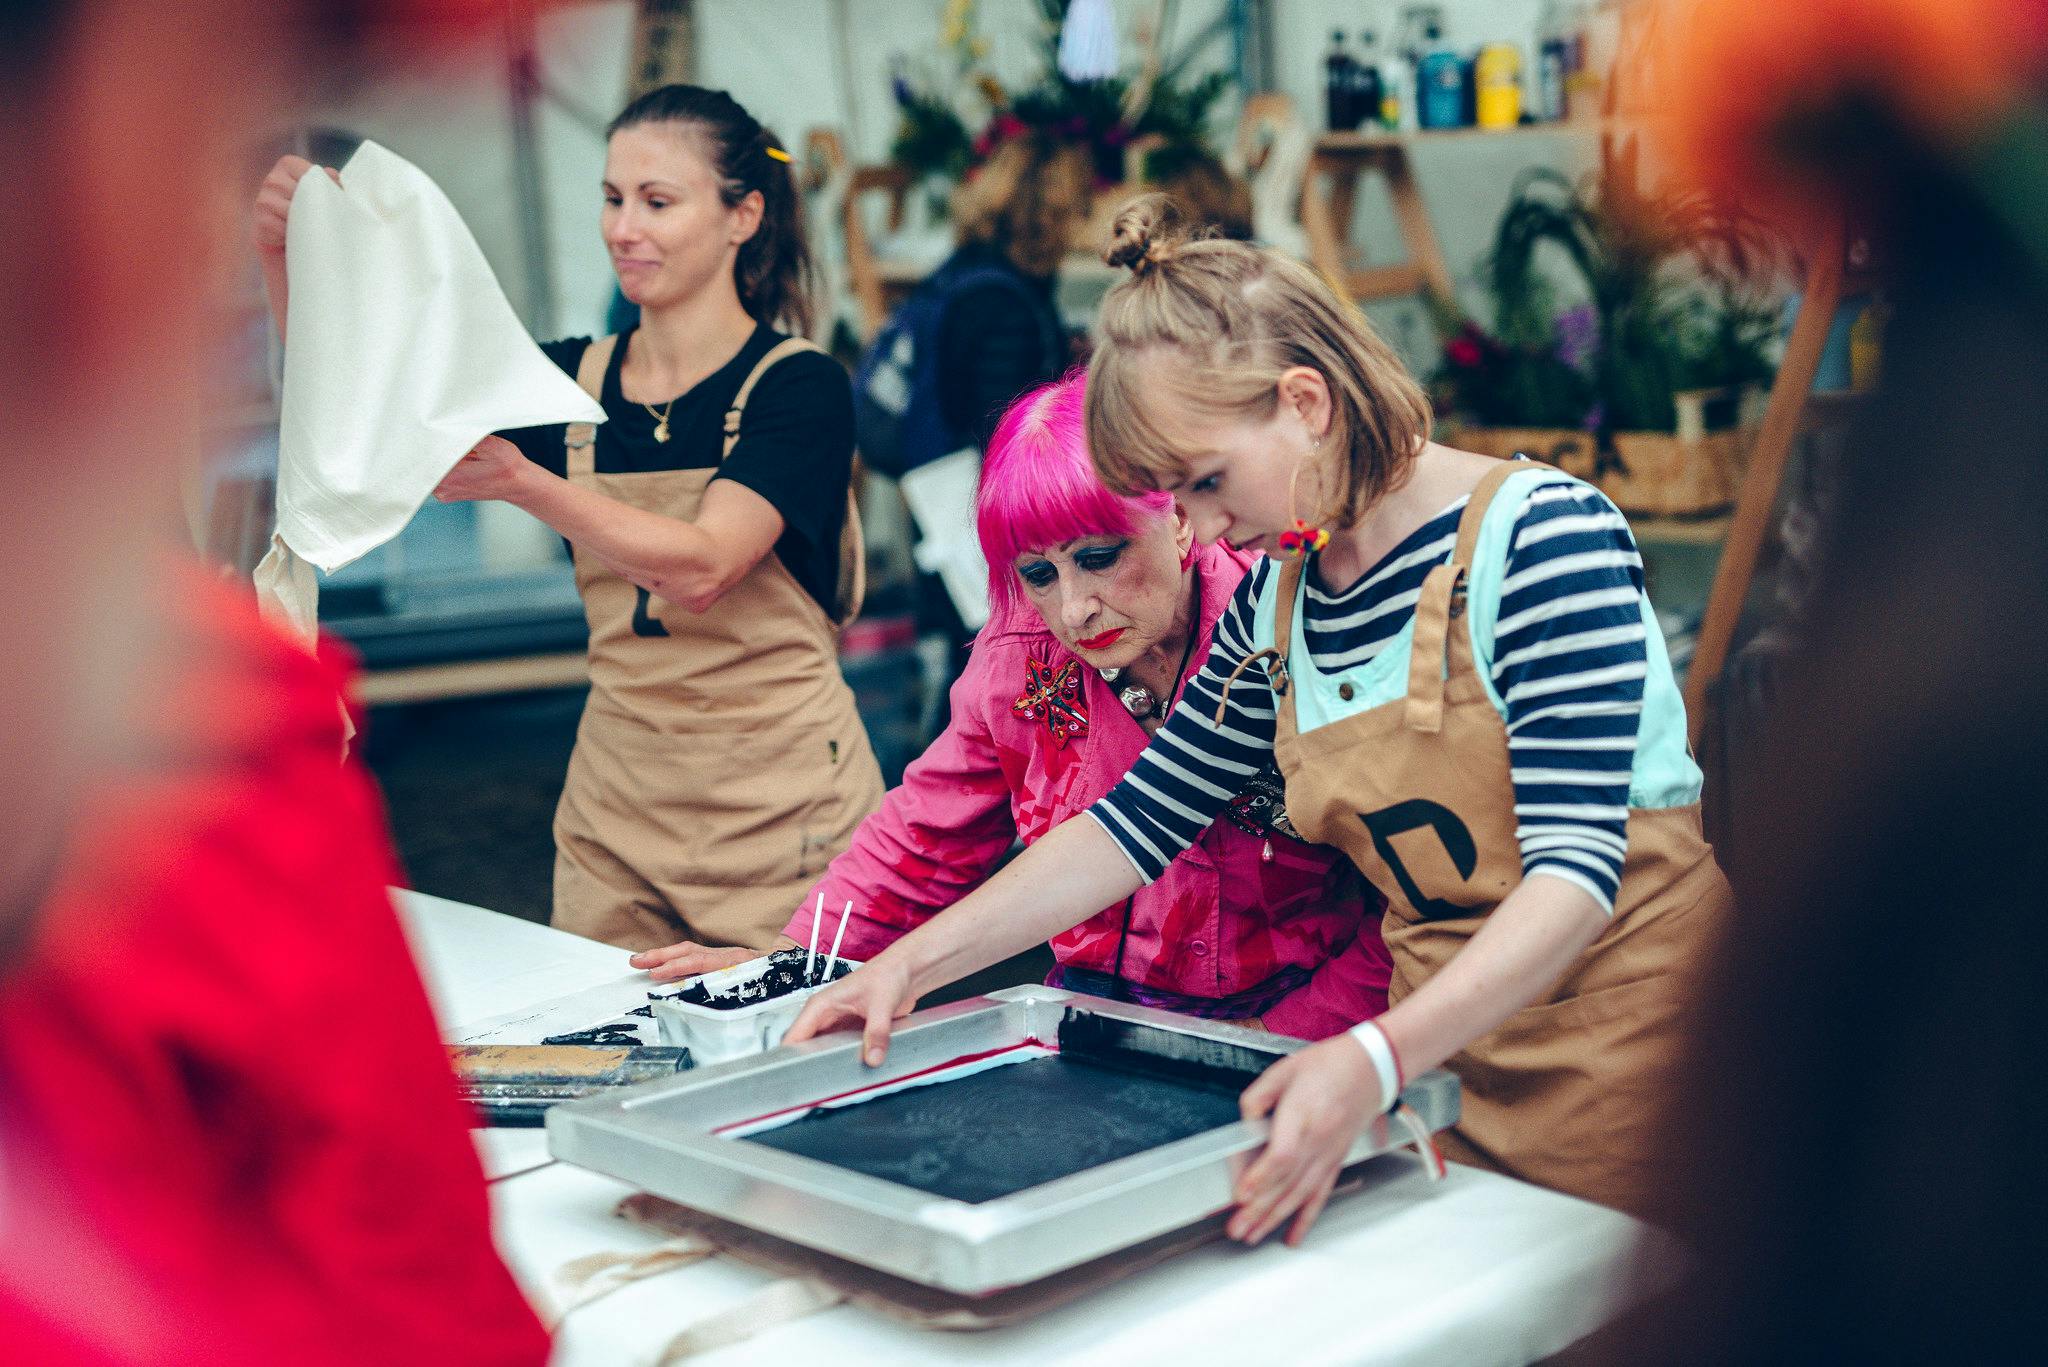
(1104, 641)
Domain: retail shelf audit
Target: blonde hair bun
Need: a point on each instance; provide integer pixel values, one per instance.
(1145, 233)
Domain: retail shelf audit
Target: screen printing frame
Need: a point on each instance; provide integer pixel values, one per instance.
(666, 1137)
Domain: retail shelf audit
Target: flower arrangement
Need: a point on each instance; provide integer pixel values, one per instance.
(1671, 305)
(953, 116)
(1641, 387)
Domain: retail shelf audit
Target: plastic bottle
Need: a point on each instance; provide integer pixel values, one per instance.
(1396, 102)
(1338, 100)
(1866, 345)
(1582, 93)
(1439, 84)
(1497, 86)
(1553, 61)
(1366, 86)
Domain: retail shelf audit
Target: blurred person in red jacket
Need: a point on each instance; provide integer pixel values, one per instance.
(227, 1131)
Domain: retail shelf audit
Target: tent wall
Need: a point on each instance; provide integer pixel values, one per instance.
(789, 61)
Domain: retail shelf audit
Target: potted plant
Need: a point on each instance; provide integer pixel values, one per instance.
(1149, 124)
(1671, 341)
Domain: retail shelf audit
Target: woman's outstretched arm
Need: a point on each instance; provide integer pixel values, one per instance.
(1068, 876)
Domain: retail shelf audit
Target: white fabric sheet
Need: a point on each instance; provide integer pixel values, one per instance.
(1476, 1271)
(941, 497)
(401, 354)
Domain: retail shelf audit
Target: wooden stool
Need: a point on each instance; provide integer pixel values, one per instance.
(1329, 198)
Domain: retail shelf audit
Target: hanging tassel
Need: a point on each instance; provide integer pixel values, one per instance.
(1088, 41)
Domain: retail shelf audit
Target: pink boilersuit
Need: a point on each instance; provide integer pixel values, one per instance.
(1243, 914)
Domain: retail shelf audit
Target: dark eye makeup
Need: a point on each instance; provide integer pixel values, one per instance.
(1099, 558)
(1040, 574)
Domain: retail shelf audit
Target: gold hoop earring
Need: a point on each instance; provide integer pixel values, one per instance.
(1303, 537)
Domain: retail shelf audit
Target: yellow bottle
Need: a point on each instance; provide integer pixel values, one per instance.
(1497, 81)
(1866, 346)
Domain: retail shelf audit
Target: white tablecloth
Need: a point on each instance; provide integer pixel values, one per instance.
(1477, 1270)
(480, 964)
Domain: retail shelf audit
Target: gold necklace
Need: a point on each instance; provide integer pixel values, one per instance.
(660, 416)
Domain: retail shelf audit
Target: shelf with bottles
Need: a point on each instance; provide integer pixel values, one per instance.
(1418, 81)
(1371, 139)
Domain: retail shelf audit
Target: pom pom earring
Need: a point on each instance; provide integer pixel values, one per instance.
(1302, 539)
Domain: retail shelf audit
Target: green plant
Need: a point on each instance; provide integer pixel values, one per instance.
(931, 138)
(1498, 382)
(1666, 274)
(938, 100)
(935, 137)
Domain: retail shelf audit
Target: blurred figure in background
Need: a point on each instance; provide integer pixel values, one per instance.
(984, 327)
(228, 1133)
(1862, 1123)
(978, 332)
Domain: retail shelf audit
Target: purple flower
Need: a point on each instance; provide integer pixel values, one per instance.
(900, 88)
(1578, 334)
(1595, 416)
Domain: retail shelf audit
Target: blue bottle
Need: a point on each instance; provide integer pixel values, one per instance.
(1439, 86)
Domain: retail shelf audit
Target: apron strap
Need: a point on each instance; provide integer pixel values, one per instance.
(1274, 657)
(1443, 597)
(1481, 500)
(788, 346)
(853, 559)
(1443, 602)
(581, 437)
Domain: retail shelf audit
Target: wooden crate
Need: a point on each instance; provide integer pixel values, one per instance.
(1691, 472)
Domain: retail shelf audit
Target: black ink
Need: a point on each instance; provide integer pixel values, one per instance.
(1005, 1130)
(785, 974)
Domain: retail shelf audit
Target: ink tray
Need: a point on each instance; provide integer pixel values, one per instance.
(1004, 1139)
(740, 1010)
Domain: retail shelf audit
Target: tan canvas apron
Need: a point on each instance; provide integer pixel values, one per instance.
(1417, 791)
(720, 764)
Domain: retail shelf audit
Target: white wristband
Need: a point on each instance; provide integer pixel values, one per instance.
(1373, 1040)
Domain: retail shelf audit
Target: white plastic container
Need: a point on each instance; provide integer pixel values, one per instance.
(712, 1035)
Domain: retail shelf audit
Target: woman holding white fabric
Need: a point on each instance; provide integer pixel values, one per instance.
(720, 764)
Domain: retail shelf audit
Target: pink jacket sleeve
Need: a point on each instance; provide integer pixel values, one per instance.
(1350, 987)
(936, 836)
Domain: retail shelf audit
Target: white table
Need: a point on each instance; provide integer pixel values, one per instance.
(1476, 1270)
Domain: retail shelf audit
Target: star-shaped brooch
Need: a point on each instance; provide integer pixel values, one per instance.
(1053, 696)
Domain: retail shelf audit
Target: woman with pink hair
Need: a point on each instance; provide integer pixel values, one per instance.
(1103, 607)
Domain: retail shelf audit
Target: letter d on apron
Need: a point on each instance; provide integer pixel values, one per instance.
(720, 763)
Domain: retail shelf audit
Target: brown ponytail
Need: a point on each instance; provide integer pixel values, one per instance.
(773, 272)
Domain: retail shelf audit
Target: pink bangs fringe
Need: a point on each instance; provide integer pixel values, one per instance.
(1039, 490)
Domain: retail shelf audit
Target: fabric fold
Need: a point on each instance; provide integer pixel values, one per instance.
(402, 355)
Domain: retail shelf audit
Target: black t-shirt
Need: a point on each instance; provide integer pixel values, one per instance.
(795, 447)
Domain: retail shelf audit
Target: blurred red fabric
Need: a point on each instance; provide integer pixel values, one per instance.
(228, 1130)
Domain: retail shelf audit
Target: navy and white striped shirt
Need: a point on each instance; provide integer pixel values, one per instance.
(1569, 660)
